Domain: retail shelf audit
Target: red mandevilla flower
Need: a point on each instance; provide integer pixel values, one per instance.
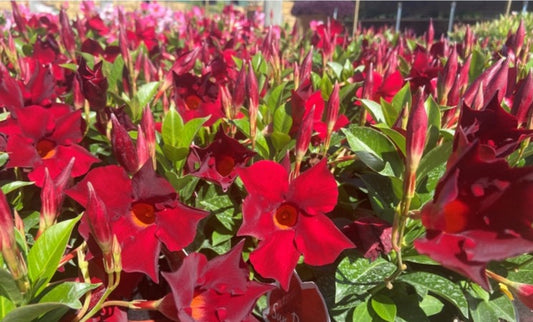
(218, 162)
(218, 290)
(46, 138)
(288, 218)
(467, 222)
(144, 212)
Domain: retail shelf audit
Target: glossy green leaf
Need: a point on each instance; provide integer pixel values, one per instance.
(396, 137)
(31, 311)
(46, 253)
(189, 131)
(375, 109)
(145, 93)
(274, 97)
(494, 309)
(171, 127)
(375, 150)
(337, 68)
(8, 287)
(175, 154)
(384, 307)
(279, 140)
(222, 207)
(113, 72)
(3, 158)
(6, 306)
(443, 287)
(67, 293)
(477, 64)
(355, 276)
(399, 101)
(361, 314)
(14, 185)
(431, 305)
(346, 91)
(282, 120)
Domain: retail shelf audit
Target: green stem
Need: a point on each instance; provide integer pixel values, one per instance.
(112, 283)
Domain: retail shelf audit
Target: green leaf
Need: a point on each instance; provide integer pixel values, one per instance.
(47, 251)
(67, 293)
(222, 207)
(431, 305)
(282, 120)
(6, 306)
(355, 276)
(279, 140)
(375, 109)
(477, 64)
(171, 127)
(346, 90)
(361, 314)
(396, 137)
(431, 169)
(145, 93)
(375, 150)
(189, 131)
(495, 309)
(402, 98)
(8, 287)
(114, 72)
(384, 193)
(423, 282)
(384, 307)
(31, 311)
(274, 96)
(3, 158)
(72, 67)
(337, 68)
(174, 153)
(14, 185)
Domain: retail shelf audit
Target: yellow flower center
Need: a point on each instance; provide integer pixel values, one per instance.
(143, 214)
(285, 216)
(198, 307)
(46, 148)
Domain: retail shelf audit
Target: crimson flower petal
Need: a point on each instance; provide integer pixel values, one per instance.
(176, 227)
(276, 257)
(140, 250)
(21, 152)
(266, 179)
(314, 191)
(63, 155)
(228, 272)
(68, 129)
(319, 240)
(113, 186)
(449, 249)
(258, 221)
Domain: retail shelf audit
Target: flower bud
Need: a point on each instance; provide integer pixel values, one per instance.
(333, 109)
(253, 96)
(523, 99)
(66, 33)
(303, 137)
(415, 140)
(100, 227)
(148, 128)
(123, 147)
(9, 249)
(306, 66)
(52, 195)
(447, 77)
